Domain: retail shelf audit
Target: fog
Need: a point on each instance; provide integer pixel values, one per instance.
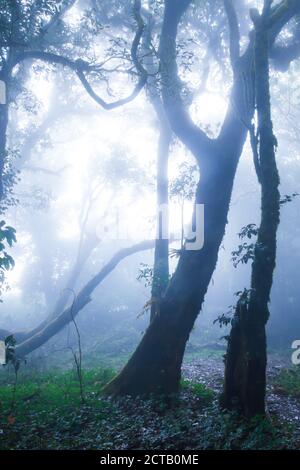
(80, 182)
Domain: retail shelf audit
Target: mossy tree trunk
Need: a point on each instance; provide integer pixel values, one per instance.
(245, 364)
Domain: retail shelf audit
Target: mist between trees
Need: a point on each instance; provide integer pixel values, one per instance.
(149, 179)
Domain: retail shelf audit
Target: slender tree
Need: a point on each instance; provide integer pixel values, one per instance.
(245, 364)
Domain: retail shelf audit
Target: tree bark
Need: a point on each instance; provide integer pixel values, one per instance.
(3, 131)
(245, 364)
(161, 252)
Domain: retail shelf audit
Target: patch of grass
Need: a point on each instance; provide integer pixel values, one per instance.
(287, 382)
(199, 389)
(48, 410)
(48, 414)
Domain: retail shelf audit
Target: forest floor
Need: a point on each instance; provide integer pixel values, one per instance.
(283, 389)
(45, 411)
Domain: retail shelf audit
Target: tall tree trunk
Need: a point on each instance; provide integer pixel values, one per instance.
(161, 252)
(245, 369)
(3, 131)
(156, 364)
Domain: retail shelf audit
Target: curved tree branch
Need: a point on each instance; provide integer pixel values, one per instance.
(80, 67)
(82, 299)
(190, 134)
(115, 104)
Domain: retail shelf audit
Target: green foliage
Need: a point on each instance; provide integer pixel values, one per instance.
(11, 358)
(288, 382)
(248, 231)
(145, 274)
(228, 431)
(7, 237)
(30, 17)
(227, 318)
(245, 251)
(48, 414)
(183, 187)
(224, 319)
(7, 234)
(48, 408)
(288, 198)
(10, 177)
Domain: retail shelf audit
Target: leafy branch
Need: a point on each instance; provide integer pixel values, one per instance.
(245, 251)
(7, 237)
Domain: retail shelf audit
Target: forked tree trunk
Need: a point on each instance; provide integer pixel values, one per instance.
(245, 363)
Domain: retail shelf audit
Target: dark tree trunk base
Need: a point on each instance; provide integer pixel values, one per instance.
(155, 367)
(245, 367)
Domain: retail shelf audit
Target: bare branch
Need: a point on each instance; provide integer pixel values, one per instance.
(115, 104)
(79, 67)
(190, 134)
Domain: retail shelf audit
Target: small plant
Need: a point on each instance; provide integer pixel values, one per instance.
(245, 251)
(77, 356)
(11, 358)
(199, 389)
(184, 186)
(227, 318)
(7, 237)
(145, 274)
